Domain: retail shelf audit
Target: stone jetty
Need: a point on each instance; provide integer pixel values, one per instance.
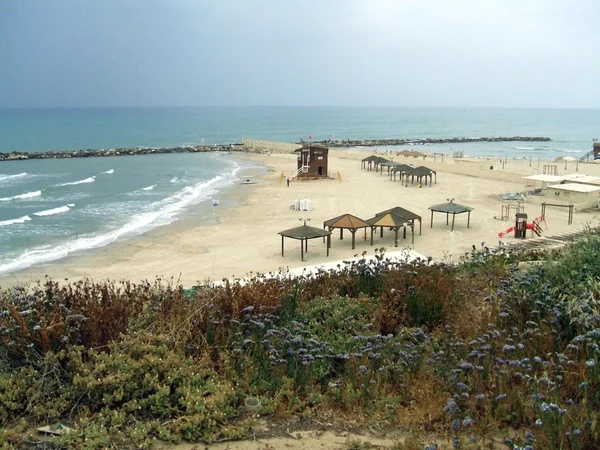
(92, 153)
(425, 141)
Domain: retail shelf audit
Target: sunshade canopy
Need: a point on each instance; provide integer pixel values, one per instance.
(303, 233)
(451, 208)
(391, 220)
(348, 222)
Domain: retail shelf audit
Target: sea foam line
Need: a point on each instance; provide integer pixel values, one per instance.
(21, 196)
(7, 177)
(149, 188)
(73, 183)
(14, 221)
(51, 212)
(109, 171)
(164, 213)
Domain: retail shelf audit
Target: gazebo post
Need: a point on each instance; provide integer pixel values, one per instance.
(447, 217)
(371, 235)
(381, 231)
(468, 218)
(353, 237)
(328, 243)
(412, 228)
(396, 236)
(431, 223)
(404, 234)
(341, 234)
(301, 249)
(420, 225)
(453, 216)
(282, 238)
(306, 245)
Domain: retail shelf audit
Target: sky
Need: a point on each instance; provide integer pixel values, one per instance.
(393, 53)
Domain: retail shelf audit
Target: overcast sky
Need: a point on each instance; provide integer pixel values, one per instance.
(522, 53)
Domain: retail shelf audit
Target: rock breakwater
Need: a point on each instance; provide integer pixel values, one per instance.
(94, 153)
(426, 141)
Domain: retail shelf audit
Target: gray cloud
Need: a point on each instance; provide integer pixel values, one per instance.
(539, 53)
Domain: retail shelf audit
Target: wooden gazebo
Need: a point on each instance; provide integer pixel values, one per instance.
(389, 164)
(451, 208)
(400, 170)
(389, 220)
(372, 160)
(419, 173)
(303, 233)
(408, 216)
(346, 222)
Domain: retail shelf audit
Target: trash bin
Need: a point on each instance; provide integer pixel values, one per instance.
(491, 167)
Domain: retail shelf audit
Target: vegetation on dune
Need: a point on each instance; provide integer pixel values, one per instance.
(481, 353)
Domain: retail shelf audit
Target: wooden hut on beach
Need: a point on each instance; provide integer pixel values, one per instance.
(312, 161)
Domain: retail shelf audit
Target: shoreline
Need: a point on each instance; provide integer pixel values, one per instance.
(244, 240)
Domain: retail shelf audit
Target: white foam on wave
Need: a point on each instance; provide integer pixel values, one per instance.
(73, 183)
(149, 188)
(109, 171)
(173, 180)
(8, 177)
(162, 213)
(21, 196)
(53, 211)
(23, 219)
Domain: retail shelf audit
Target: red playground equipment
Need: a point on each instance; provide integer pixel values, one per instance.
(521, 226)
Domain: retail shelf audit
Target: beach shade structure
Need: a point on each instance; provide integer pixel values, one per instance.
(303, 233)
(400, 170)
(379, 164)
(419, 173)
(451, 208)
(367, 162)
(389, 164)
(407, 216)
(346, 222)
(409, 153)
(389, 220)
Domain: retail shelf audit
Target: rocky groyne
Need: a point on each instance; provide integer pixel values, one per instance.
(93, 153)
(425, 141)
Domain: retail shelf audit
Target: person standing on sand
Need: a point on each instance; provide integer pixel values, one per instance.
(287, 180)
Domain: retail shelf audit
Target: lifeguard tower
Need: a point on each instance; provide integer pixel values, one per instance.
(312, 161)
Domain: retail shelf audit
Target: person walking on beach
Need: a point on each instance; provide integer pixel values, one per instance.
(287, 180)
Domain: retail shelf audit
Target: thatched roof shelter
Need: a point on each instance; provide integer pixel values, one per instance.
(399, 170)
(389, 165)
(346, 222)
(419, 173)
(408, 153)
(389, 220)
(303, 233)
(451, 208)
(372, 160)
(407, 215)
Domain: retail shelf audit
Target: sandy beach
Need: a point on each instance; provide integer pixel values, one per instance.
(237, 241)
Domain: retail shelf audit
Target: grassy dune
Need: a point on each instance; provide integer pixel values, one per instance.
(480, 353)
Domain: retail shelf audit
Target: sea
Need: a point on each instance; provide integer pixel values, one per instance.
(50, 209)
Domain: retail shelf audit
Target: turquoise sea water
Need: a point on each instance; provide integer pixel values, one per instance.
(52, 208)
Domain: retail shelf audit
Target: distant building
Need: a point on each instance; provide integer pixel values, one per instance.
(582, 196)
(312, 161)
